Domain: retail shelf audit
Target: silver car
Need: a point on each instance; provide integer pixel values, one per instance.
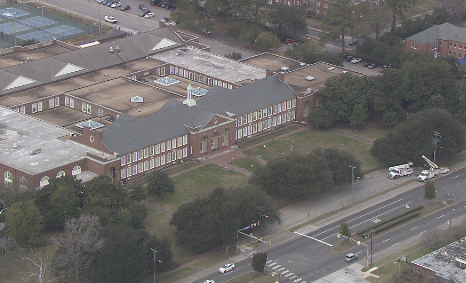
(351, 257)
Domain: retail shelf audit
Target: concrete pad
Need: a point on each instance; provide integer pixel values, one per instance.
(350, 274)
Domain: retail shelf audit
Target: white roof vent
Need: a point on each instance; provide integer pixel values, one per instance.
(284, 68)
(309, 78)
(331, 68)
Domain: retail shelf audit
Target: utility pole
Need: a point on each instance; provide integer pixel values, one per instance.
(260, 223)
(372, 232)
(352, 178)
(436, 138)
(154, 261)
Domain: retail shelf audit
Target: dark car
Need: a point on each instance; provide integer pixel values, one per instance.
(349, 58)
(343, 56)
(105, 2)
(170, 7)
(125, 8)
(353, 43)
(298, 43)
(366, 64)
(154, 2)
(143, 7)
(373, 65)
(162, 4)
(110, 3)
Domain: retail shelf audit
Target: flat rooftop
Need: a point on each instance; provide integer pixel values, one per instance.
(272, 62)
(12, 59)
(77, 82)
(320, 72)
(443, 261)
(21, 134)
(210, 64)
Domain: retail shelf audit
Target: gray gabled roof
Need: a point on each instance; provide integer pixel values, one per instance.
(129, 135)
(248, 98)
(445, 31)
(42, 71)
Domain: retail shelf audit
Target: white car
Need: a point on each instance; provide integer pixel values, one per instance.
(208, 281)
(227, 267)
(351, 257)
(110, 19)
(115, 5)
(356, 60)
(149, 15)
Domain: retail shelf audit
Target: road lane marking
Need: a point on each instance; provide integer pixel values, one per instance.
(330, 245)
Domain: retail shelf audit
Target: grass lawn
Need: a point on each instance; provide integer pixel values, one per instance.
(246, 164)
(198, 183)
(371, 131)
(308, 140)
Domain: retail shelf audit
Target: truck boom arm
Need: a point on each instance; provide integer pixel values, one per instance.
(431, 164)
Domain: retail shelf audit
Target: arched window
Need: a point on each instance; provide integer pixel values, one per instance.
(61, 174)
(8, 180)
(76, 170)
(44, 181)
(23, 184)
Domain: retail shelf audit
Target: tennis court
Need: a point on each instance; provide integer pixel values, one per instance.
(26, 22)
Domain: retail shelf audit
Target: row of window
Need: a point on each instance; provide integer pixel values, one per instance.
(155, 149)
(454, 54)
(154, 163)
(266, 124)
(325, 5)
(455, 45)
(23, 183)
(198, 77)
(266, 112)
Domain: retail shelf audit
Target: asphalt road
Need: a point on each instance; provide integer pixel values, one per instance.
(309, 257)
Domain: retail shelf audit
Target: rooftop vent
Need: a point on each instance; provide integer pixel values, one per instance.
(111, 50)
(117, 49)
(36, 152)
(309, 78)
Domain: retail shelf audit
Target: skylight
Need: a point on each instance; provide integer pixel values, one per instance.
(90, 124)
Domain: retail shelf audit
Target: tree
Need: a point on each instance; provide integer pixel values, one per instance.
(38, 264)
(77, 246)
(286, 19)
(398, 7)
(233, 29)
(137, 192)
(127, 255)
(159, 183)
(137, 214)
(433, 238)
(105, 199)
(409, 275)
(267, 40)
(213, 220)
(376, 18)
(338, 22)
(294, 176)
(344, 230)
(429, 190)
(234, 55)
(418, 130)
(23, 222)
(309, 52)
(251, 34)
(339, 162)
(258, 261)
(359, 116)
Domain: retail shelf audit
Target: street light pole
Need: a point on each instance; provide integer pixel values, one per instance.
(43, 23)
(352, 178)
(154, 260)
(260, 222)
(99, 20)
(14, 27)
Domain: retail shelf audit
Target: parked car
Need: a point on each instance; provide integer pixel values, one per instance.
(125, 8)
(297, 43)
(289, 40)
(349, 58)
(366, 64)
(356, 60)
(170, 7)
(154, 2)
(227, 267)
(116, 5)
(208, 281)
(353, 43)
(143, 7)
(105, 2)
(373, 65)
(350, 257)
(206, 32)
(149, 15)
(143, 13)
(162, 4)
(109, 4)
(110, 19)
(343, 56)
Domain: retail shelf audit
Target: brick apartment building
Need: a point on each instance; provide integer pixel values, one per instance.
(441, 40)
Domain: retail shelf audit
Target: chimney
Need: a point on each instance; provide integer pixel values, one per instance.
(281, 76)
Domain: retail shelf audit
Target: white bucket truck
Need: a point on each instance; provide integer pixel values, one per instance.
(400, 171)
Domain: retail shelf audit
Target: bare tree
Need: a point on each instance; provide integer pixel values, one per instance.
(77, 246)
(39, 266)
(433, 238)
